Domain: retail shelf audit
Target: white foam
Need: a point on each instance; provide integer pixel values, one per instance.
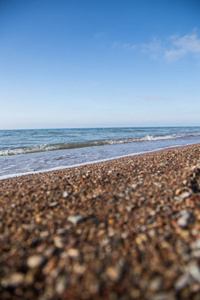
(45, 147)
(33, 149)
(83, 164)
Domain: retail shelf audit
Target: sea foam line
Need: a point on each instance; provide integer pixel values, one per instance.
(87, 163)
(63, 146)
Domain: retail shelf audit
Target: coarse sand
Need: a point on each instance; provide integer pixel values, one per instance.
(123, 229)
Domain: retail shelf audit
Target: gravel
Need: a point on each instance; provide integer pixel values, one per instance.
(123, 229)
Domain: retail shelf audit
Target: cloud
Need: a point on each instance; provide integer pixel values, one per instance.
(173, 47)
(155, 48)
(154, 45)
(128, 46)
(154, 98)
(125, 46)
(187, 44)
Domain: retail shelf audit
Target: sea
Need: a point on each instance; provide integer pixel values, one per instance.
(39, 150)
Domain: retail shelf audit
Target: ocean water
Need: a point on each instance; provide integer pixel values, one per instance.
(38, 150)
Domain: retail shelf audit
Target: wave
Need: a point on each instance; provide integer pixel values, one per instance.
(62, 146)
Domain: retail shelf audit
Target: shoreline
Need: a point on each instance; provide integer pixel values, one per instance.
(17, 175)
(127, 228)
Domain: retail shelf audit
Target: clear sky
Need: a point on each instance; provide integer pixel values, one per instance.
(97, 63)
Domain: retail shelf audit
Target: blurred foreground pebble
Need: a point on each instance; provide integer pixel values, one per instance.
(123, 229)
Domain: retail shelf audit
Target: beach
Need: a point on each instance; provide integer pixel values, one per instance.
(122, 229)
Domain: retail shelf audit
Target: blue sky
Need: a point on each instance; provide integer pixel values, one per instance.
(101, 63)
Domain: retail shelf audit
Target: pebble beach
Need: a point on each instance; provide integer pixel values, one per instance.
(123, 229)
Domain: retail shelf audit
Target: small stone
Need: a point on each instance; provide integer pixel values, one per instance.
(44, 234)
(124, 235)
(49, 251)
(182, 281)
(79, 269)
(94, 286)
(59, 241)
(184, 195)
(53, 204)
(129, 208)
(101, 232)
(152, 233)
(61, 284)
(35, 261)
(155, 284)
(75, 219)
(13, 280)
(196, 245)
(196, 253)
(184, 219)
(111, 221)
(104, 242)
(111, 232)
(163, 296)
(135, 294)
(38, 218)
(29, 278)
(134, 185)
(194, 271)
(74, 253)
(65, 194)
(113, 273)
(61, 231)
(177, 192)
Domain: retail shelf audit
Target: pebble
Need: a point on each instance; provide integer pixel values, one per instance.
(61, 284)
(75, 219)
(196, 245)
(44, 234)
(182, 281)
(13, 280)
(113, 273)
(53, 204)
(73, 252)
(65, 194)
(184, 219)
(155, 284)
(134, 185)
(35, 261)
(185, 195)
(59, 241)
(194, 271)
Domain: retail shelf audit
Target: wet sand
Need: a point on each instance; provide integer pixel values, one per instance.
(123, 229)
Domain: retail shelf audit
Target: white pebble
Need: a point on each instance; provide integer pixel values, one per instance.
(196, 244)
(194, 271)
(183, 219)
(65, 194)
(185, 195)
(35, 261)
(182, 281)
(75, 219)
(134, 185)
(53, 204)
